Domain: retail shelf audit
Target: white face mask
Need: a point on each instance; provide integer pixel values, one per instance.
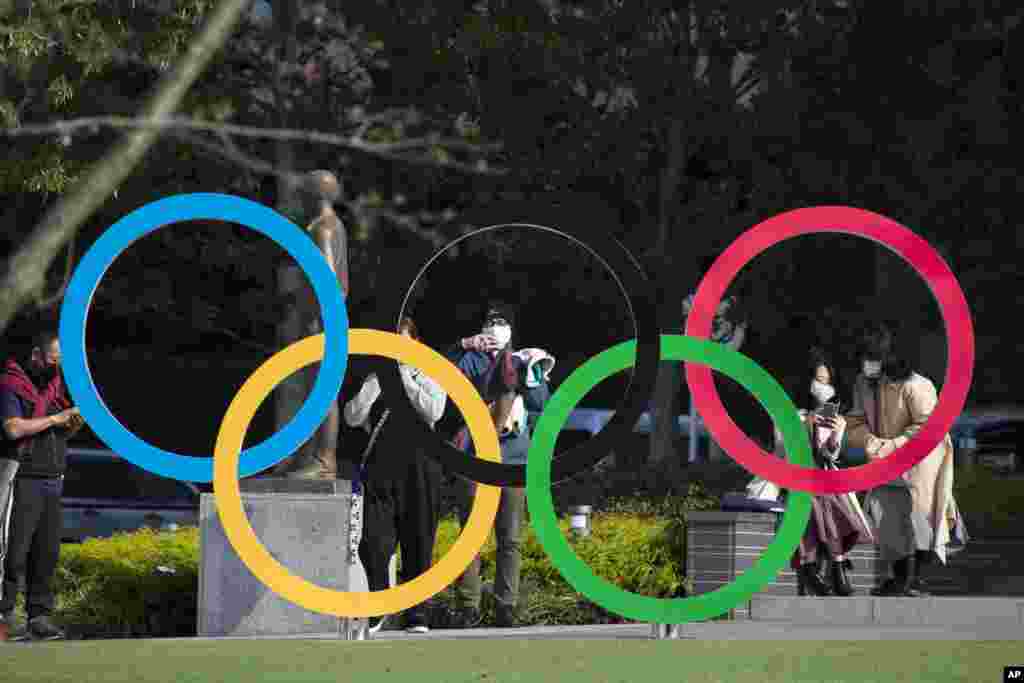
(822, 392)
(872, 369)
(503, 333)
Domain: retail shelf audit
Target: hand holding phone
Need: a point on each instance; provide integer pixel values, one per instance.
(828, 411)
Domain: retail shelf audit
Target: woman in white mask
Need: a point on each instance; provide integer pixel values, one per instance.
(837, 523)
(915, 514)
(497, 376)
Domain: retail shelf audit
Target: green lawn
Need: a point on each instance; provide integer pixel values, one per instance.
(592, 661)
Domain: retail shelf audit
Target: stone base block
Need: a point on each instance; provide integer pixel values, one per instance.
(305, 526)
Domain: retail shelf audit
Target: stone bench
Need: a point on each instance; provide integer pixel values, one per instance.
(722, 545)
(305, 526)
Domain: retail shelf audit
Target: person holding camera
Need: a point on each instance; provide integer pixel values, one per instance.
(37, 419)
(515, 386)
(837, 522)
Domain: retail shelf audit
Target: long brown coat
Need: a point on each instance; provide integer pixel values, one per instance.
(896, 411)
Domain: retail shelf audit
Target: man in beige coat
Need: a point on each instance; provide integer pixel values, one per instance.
(914, 513)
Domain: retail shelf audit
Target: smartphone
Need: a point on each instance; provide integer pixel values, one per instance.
(829, 410)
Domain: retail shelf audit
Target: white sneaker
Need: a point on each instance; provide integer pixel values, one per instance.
(376, 624)
(418, 628)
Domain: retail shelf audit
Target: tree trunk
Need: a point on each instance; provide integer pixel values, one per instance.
(292, 392)
(665, 403)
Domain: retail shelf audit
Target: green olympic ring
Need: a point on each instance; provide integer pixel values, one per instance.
(609, 596)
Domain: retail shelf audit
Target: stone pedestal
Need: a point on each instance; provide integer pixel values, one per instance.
(722, 545)
(304, 524)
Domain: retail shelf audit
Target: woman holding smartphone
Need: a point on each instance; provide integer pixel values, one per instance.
(837, 522)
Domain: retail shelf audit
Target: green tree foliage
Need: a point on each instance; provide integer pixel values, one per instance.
(99, 58)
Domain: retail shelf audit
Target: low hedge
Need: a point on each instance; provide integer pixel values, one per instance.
(145, 583)
(992, 504)
(136, 584)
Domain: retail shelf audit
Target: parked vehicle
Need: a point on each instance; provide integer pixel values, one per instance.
(105, 494)
(992, 441)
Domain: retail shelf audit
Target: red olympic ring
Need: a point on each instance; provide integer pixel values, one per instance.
(911, 248)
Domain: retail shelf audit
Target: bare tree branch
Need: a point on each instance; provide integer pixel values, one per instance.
(26, 270)
(359, 208)
(409, 223)
(387, 150)
(44, 303)
(233, 150)
(5, 30)
(211, 328)
(230, 152)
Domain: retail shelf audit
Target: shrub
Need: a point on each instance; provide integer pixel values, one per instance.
(637, 544)
(112, 587)
(638, 553)
(989, 501)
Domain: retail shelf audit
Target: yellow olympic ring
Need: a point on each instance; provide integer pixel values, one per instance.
(295, 588)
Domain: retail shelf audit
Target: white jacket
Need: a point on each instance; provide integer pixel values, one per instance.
(426, 395)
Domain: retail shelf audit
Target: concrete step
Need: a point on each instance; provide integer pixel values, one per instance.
(932, 611)
(989, 567)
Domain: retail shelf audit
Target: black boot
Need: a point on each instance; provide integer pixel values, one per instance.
(917, 582)
(840, 579)
(899, 584)
(824, 568)
(812, 582)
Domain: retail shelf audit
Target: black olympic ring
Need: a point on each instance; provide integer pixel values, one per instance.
(639, 297)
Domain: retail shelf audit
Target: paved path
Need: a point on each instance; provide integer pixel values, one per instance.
(702, 631)
(727, 631)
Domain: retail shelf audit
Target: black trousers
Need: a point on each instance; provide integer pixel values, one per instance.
(33, 545)
(401, 506)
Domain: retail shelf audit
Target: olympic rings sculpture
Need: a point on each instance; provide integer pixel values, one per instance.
(700, 355)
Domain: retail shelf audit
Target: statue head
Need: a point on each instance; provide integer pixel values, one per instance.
(319, 189)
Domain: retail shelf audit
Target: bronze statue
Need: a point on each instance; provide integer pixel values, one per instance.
(317, 458)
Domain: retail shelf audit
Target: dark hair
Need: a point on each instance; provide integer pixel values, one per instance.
(41, 340)
(881, 343)
(817, 358)
(407, 323)
(498, 309)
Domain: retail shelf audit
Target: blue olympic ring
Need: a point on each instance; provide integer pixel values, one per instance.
(151, 217)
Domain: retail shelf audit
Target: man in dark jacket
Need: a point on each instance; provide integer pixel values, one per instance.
(37, 419)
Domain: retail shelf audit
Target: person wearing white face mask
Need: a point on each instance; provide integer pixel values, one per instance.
(915, 514)
(837, 522)
(516, 399)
